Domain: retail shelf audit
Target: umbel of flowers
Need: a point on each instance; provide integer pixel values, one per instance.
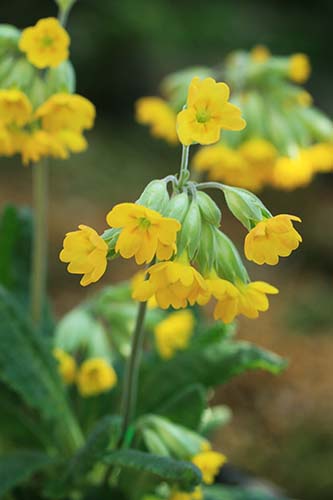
(287, 139)
(174, 228)
(40, 115)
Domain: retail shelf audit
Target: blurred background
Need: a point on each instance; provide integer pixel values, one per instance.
(282, 427)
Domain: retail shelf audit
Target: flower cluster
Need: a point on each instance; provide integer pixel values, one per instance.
(295, 143)
(40, 116)
(191, 260)
(94, 376)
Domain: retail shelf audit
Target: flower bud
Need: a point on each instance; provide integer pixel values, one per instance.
(9, 38)
(7, 63)
(210, 212)
(178, 207)
(228, 262)
(155, 196)
(207, 249)
(245, 206)
(154, 443)
(189, 236)
(60, 79)
(21, 75)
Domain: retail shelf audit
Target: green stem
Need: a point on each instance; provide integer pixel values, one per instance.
(129, 395)
(64, 10)
(39, 246)
(184, 172)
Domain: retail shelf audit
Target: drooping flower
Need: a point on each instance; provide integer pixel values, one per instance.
(145, 233)
(66, 365)
(86, 252)
(45, 44)
(161, 118)
(66, 112)
(207, 113)
(182, 495)
(173, 333)
(15, 107)
(260, 54)
(95, 376)
(173, 283)
(272, 238)
(299, 68)
(292, 173)
(321, 157)
(252, 298)
(209, 463)
(7, 145)
(227, 296)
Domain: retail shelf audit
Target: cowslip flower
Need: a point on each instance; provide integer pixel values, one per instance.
(173, 333)
(272, 238)
(157, 113)
(252, 298)
(66, 365)
(260, 54)
(207, 112)
(95, 376)
(209, 463)
(173, 283)
(299, 68)
(7, 145)
(64, 111)
(292, 173)
(227, 296)
(45, 44)
(145, 233)
(15, 107)
(86, 252)
(321, 157)
(182, 495)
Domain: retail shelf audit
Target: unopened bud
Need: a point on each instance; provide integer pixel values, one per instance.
(189, 236)
(155, 196)
(245, 206)
(210, 212)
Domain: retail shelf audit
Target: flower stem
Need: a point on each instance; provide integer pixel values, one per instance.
(39, 245)
(64, 10)
(184, 172)
(129, 395)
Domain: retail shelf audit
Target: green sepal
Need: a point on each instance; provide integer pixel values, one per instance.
(245, 206)
(178, 207)
(60, 79)
(228, 262)
(210, 212)
(190, 234)
(21, 75)
(155, 196)
(207, 248)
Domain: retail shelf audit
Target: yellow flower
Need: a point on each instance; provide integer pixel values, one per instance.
(45, 44)
(299, 68)
(304, 99)
(174, 333)
(292, 173)
(182, 495)
(136, 281)
(157, 113)
(66, 365)
(260, 54)
(272, 238)
(227, 296)
(71, 140)
(252, 298)
(38, 144)
(145, 233)
(173, 284)
(209, 463)
(66, 112)
(208, 111)
(321, 157)
(86, 252)
(258, 151)
(95, 376)
(15, 107)
(7, 144)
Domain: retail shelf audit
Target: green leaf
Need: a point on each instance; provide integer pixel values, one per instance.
(26, 362)
(17, 467)
(104, 436)
(185, 407)
(184, 474)
(211, 360)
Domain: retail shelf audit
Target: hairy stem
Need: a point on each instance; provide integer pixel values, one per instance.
(39, 246)
(184, 172)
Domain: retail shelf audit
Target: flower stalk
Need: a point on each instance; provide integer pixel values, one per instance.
(184, 172)
(39, 245)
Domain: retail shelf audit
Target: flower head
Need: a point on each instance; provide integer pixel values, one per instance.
(15, 107)
(260, 54)
(207, 112)
(86, 252)
(145, 233)
(95, 376)
(66, 365)
(227, 296)
(45, 44)
(272, 238)
(157, 113)
(209, 462)
(292, 173)
(173, 333)
(321, 157)
(66, 112)
(252, 298)
(299, 68)
(173, 283)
